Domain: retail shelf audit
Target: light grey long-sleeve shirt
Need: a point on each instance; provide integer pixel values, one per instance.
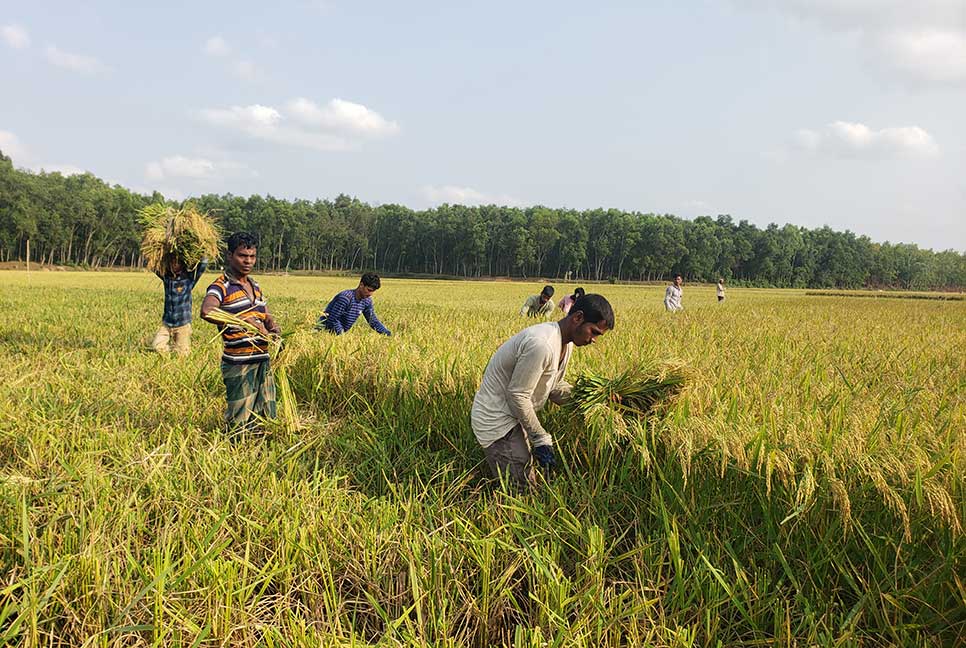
(533, 308)
(525, 372)
(672, 298)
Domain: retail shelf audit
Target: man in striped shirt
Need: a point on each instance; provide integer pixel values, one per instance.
(345, 308)
(245, 370)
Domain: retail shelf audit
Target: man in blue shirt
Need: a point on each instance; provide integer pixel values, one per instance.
(175, 331)
(344, 309)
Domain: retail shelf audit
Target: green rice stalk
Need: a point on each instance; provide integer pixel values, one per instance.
(635, 393)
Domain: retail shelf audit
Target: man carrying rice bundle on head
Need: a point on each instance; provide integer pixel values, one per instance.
(523, 374)
(177, 243)
(245, 369)
(175, 331)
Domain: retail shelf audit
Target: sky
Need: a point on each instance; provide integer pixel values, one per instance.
(845, 113)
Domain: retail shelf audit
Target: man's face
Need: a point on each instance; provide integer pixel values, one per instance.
(365, 291)
(678, 281)
(544, 297)
(587, 332)
(242, 260)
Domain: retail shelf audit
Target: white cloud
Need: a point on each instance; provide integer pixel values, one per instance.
(179, 166)
(465, 196)
(244, 69)
(925, 39)
(340, 114)
(699, 206)
(62, 169)
(74, 62)
(12, 147)
(254, 120)
(217, 46)
(195, 168)
(15, 36)
(934, 55)
(268, 41)
(334, 127)
(247, 71)
(23, 157)
(847, 139)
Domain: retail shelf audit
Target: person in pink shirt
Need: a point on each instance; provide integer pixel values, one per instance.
(567, 302)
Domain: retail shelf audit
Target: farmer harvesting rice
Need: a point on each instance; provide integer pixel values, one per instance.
(673, 295)
(175, 328)
(344, 309)
(539, 305)
(720, 290)
(567, 302)
(249, 386)
(526, 371)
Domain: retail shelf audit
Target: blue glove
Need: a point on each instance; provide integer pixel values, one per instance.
(545, 456)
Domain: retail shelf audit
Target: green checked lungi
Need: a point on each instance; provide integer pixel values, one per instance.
(250, 392)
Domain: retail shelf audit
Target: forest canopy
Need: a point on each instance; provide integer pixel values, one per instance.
(81, 220)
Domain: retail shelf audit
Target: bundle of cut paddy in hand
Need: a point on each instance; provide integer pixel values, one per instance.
(622, 402)
(185, 234)
(282, 357)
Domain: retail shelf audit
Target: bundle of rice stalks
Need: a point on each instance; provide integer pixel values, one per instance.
(622, 403)
(282, 357)
(184, 234)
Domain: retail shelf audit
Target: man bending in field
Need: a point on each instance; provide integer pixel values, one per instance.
(245, 370)
(539, 305)
(344, 309)
(175, 331)
(525, 372)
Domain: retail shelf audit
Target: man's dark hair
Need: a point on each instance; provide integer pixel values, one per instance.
(677, 276)
(241, 239)
(579, 293)
(371, 280)
(595, 309)
(547, 290)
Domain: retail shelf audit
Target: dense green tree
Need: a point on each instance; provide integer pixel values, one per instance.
(81, 220)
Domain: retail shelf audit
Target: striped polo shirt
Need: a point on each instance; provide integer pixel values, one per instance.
(241, 347)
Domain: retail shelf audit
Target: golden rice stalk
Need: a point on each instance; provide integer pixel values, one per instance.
(890, 498)
(840, 495)
(287, 410)
(173, 233)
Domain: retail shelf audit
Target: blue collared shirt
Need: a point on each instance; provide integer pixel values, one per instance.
(343, 311)
(177, 295)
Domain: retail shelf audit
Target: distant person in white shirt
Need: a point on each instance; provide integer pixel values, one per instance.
(539, 305)
(525, 372)
(721, 294)
(673, 295)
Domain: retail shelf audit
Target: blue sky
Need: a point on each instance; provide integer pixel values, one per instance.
(846, 113)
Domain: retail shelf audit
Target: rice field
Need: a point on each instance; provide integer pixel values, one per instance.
(805, 488)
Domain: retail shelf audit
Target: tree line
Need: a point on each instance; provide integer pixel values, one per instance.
(80, 220)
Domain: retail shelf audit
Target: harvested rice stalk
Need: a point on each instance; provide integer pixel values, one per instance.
(618, 405)
(282, 357)
(184, 234)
